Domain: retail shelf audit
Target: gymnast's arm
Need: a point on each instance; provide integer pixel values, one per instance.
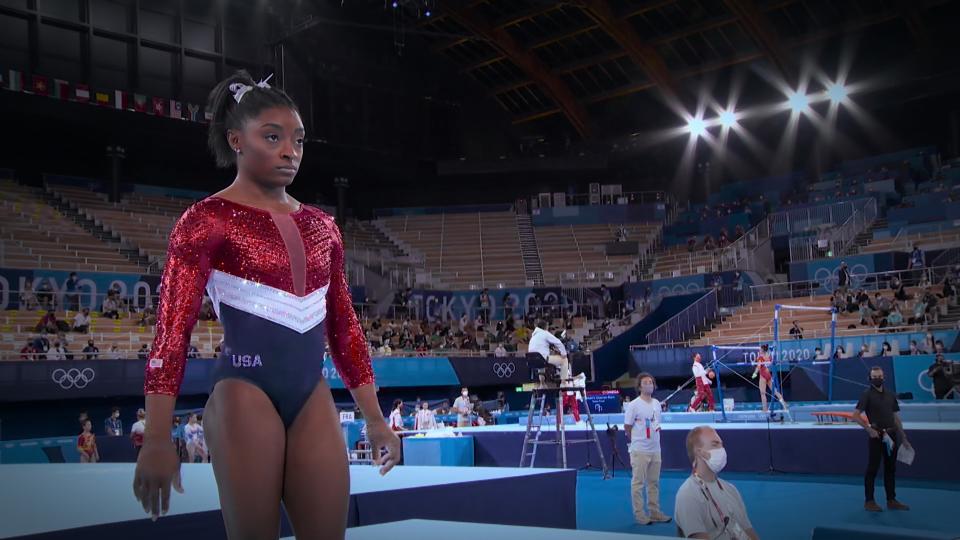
(348, 347)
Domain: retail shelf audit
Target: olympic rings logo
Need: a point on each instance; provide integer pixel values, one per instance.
(504, 370)
(923, 377)
(73, 378)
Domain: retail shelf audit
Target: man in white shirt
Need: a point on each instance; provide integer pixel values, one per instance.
(540, 343)
(425, 418)
(642, 425)
(500, 352)
(704, 391)
(81, 322)
(707, 507)
(463, 407)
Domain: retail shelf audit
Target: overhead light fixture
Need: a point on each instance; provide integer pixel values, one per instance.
(697, 127)
(728, 119)
(798, 102)
(836, 92)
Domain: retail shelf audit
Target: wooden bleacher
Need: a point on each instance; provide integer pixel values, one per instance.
(36, 236)
(580, 249)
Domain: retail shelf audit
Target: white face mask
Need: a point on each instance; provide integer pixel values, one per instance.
(717, 460)
(464, 394)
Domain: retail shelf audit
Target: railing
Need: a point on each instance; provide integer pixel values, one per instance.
(832, 241)
(682, 324)
(944, 233)
(822, 285)
(633, 197)
(812, 338)
(744, 247)
(807, 219)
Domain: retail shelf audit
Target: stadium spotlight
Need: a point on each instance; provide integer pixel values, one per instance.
(836, 92)
(798, 102)
(697, 127)
(728, 119)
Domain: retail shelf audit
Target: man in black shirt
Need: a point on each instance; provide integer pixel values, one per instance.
(881, 408)
(941, 382)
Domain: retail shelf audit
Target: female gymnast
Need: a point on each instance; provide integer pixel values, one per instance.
(274, 270)
(764, 360)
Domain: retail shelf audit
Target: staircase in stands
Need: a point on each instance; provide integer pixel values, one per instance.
(529, 250)
(864, 238)
(70, 210)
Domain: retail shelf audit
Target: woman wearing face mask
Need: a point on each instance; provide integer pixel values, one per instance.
(463, 408)
(764, 360)
(706, 506)
(425, 418)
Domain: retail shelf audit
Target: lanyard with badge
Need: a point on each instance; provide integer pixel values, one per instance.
(730, 526)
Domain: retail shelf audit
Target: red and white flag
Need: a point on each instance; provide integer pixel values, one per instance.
(121, 100)
(81, 93)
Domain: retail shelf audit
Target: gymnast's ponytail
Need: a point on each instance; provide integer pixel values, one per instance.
(233, 101)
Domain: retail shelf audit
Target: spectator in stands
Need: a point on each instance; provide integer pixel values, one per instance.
(48, 323)
(484, 313)
(110, 309)
(917, 262)
(193, 352)
(534, 306)
(894, 318)
(28, 298)
(886, 349)
(818, 354)
(45, 294)
(738, 232)
(91, 352)
(385, 349)
(932, 312)
(143, 353)
(796, 332)
(914, 350)
(900, 290)
(81, 321)
(607, 300)
(500, 351)
(113, 426)
(691, 244)
(942, 384)
(41, 345)
(840, 353)
(508, 306)
(843, 278)
(919, 311)
(883, 305)
(884, 427)
(463, 408)
(114, 352)
(59, 352)
(949, 291)
(924, 281)
(28, 352)
(724, 238)
(709, 244)
(864, 352)
(707, 507)
(207, 313)
(71, 296)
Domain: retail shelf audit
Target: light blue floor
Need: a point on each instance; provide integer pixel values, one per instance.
(781, 506)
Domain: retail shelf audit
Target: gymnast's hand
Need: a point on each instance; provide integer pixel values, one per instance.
(158, 465)
(382, 436)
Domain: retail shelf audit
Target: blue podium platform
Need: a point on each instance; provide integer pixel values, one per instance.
(95, 501)
(438, 451)
(446, 530)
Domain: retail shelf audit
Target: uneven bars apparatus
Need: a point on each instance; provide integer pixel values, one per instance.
(716, 370)
(833, 340)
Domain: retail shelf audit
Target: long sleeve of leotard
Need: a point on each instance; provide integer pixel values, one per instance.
(348, 344)
(185, 275)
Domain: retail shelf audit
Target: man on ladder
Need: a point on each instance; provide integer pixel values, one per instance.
(539, 357)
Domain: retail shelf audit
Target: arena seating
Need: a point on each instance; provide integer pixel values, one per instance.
(754, 322)
(483, 249)
(580, 249)
(679, 261)
(464, 250)
(35, 235)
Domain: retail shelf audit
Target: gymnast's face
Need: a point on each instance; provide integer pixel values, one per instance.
(271, 146)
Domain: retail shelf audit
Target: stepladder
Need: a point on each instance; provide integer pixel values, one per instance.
(555, 433)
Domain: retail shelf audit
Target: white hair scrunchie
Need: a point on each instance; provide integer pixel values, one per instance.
(239, 89)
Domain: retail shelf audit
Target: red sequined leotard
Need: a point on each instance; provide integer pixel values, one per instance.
(284, 272)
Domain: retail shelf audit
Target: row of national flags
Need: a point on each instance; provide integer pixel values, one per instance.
(40, 85)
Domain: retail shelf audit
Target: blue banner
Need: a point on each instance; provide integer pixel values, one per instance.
(431, 305)
(401, 372)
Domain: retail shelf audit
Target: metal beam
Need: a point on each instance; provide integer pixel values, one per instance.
(641, 52)
(758, 27)
(914, 20)
(552, 85)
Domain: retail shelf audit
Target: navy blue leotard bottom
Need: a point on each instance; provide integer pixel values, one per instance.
(284, 363)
